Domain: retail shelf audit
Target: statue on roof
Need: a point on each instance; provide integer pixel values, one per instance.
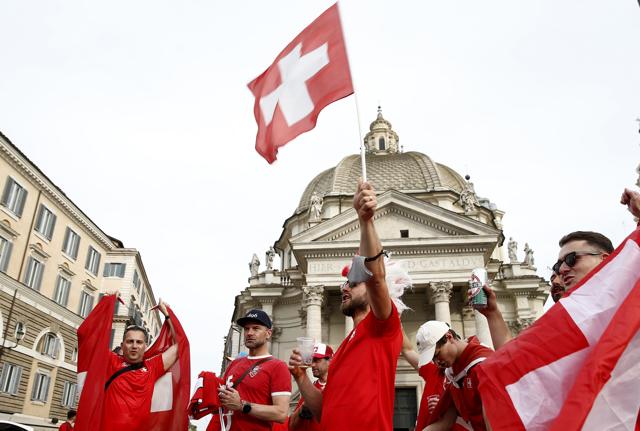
(468, 199)
(512, 247)
(269, 255)
(254, 265)
(528, 255)
(315, 208)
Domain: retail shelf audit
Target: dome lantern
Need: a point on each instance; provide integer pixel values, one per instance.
(381, 139)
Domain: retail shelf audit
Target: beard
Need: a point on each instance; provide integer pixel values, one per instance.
(254, 344)
(355, 304)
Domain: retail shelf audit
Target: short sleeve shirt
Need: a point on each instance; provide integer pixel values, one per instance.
(361, 386)
(307, 424)
(66, 426)
(269, 379)
(127, 402)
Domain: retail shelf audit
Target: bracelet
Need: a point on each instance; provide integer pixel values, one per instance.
(369, 259)
(167, 317)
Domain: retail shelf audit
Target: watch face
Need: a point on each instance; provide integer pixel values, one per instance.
(246, 408)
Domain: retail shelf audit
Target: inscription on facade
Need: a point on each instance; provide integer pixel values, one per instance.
(442, 263)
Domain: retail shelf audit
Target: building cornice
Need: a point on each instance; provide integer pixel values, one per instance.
(37, 177)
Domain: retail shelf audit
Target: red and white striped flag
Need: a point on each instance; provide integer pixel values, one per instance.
(578, 366)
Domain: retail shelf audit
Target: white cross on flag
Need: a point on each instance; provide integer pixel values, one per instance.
(578, 366)
(310, 73)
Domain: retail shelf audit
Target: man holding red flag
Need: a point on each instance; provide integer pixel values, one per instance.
(140, 390)
(576, 367)
(309, 74)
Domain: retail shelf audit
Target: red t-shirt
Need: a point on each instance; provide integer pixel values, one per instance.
(127, 401)
(66, 426)
(361, 388)
(466, 397)
(267, 380)
(306, 424)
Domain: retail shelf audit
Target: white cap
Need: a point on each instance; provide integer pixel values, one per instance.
(428, 335)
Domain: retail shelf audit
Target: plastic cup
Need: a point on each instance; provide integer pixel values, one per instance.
(305, 346)
(476, 292)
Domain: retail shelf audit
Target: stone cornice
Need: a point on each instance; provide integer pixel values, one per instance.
(30, 171)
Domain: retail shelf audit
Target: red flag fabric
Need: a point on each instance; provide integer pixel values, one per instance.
(309, 74)
(171, 392)
(93, 361)
(578, 366)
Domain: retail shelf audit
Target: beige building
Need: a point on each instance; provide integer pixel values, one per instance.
(429, 217)
(55, 263)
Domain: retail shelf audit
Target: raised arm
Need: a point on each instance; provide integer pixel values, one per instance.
(169, 356)
(410, 355)
(631, 199)
(365, 204)
(498, 328)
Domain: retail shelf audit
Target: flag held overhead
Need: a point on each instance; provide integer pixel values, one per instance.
(309, 74)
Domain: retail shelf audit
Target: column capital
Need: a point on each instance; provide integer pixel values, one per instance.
(520, 324)
(441, 291)
(313, 295)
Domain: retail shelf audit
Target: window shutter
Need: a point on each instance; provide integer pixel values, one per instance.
(39, 220)
(39, 269)
(121, 269)
(107, 267)
(65, 299)
(5, 193)
(56, 348)
(75, 246)
(22, 198)
(88, 260)
(15, 380)
(97, 263)
(6, 254)
(27, 274)
(56, 292)
(67, 238)
(51, 226)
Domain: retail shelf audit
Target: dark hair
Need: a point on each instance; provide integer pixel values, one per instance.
(135, 328)
(71, 414)
(594, 239)
(443, 340)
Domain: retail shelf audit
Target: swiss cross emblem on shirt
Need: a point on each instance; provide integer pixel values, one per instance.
(254, 371)
(469, 385)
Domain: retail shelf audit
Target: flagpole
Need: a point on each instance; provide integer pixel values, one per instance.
(363, 161)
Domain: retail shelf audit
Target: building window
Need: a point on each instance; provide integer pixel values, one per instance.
(20, 330)
(45, 222)
(136, 281)
(61, 294)
(14, 197)
(49, 345)
(71, 243)
(93, 261)
(143, 300)
(10, 378)
(381, 143)
(86, 304)
(114, 269)
(69, 394)
(74, 355)
(404, 233)
(33, 276)
(40, 387)
(5, 253)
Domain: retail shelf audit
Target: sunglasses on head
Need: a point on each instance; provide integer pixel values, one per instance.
(571, 258)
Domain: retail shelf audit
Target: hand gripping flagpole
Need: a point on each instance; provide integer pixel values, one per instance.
(363, 161)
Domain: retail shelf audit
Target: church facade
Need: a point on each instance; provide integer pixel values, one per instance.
(429, 218)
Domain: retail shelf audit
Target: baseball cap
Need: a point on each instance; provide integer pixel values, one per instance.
(322, 351)
(427, 337)
(255, 315)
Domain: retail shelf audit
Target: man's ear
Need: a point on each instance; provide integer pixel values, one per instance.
(269, 333)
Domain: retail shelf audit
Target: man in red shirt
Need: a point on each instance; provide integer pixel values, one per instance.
(461, 396)
(68, 424)
(434, 379)
(302, 419)
(129, 389)
(258, 386)
(361, 391)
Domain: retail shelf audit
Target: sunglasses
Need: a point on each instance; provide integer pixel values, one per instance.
(571, 259)
(349, 284)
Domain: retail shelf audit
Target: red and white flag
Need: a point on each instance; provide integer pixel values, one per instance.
(309, 74)
(578, 366)
(171, 392)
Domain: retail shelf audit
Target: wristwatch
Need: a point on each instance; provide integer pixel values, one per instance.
(246, 407)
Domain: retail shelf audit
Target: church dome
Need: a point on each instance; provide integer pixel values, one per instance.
(388, 168)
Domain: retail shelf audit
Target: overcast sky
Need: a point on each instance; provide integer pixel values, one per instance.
(139, 112)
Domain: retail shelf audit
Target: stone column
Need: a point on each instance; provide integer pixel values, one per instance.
(440, 294)
(313, 296)
(348, 326)
(482, 329)
(267, 306)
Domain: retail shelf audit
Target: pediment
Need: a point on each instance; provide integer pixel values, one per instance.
(397, 211)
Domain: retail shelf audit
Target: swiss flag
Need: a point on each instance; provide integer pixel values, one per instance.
(171, 392)
(310, 73)
(578, 366)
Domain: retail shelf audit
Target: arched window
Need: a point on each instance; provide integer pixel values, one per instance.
(381, 143)
(49, 345)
